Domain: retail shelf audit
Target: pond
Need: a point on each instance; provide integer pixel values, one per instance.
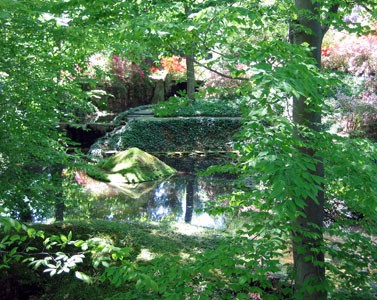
(180, 198)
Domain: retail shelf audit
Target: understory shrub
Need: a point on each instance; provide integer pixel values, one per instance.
(356, 61)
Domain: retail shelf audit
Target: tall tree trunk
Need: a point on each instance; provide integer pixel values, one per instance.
(190, 71)
(307, 234)
(57, 178)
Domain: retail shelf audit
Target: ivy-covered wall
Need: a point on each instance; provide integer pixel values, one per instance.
(172, 134)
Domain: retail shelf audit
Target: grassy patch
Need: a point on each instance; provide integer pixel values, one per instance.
(159, 238)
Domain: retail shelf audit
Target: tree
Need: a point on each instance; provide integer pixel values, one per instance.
(146, 29)
(284, 158)
(307, 234)
(38, 91)
(309, 29)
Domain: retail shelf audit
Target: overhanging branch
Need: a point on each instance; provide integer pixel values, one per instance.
(363, 5)
(332, 11)
(221, 74)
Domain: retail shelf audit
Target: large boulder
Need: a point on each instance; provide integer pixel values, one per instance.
(133, 166)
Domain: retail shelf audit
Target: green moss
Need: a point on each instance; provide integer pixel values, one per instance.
(133, 166)
(98, 174)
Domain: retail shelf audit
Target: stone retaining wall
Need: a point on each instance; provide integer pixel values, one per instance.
(171, 135)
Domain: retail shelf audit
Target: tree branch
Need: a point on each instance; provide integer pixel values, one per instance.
(369, 10)
(51, 254)
(221, 74)
(332, 11)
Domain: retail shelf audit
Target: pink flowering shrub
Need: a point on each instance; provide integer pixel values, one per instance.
(352, 54)
(125, 69)
(130, 86)
(122, 68)
(356, 57)
(123, 83)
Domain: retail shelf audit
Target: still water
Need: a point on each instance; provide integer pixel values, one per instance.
(180, 198)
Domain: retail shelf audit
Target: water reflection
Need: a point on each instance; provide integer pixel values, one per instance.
(180, 198)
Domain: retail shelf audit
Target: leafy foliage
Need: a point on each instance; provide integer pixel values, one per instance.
(36, 94)
(180, 106)
(95, 259)
(175, 66)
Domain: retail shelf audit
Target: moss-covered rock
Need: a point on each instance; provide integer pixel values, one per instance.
(133, 166)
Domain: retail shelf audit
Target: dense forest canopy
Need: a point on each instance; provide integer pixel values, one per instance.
(279, 61)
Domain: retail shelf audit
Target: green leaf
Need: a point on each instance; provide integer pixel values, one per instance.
(69, 238)
(82, 276)
(63, 238)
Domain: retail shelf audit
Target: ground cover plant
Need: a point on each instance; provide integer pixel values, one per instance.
(185, 134)
(94, 255)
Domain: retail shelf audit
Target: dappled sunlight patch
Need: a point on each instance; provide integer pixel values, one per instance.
(116, 178)
(186, 256)
(146, 255)
(206, 220)
(188, 229)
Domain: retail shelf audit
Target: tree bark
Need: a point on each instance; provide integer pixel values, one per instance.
(190, 71)
(57, 177)
(307, 233)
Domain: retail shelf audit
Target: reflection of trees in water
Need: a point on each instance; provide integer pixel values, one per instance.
(166, 200)
(190, 191)
(83, 205)
(174, 199)
(34, 192)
